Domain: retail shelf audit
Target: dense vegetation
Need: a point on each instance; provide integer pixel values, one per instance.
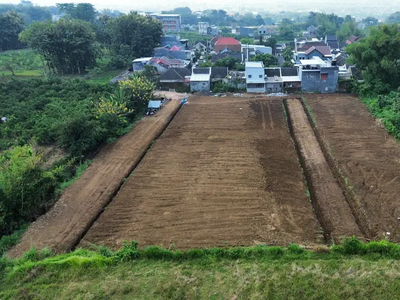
(352, 270)
(11, 25)
(74, 115)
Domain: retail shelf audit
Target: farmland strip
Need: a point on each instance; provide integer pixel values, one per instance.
(328, 200)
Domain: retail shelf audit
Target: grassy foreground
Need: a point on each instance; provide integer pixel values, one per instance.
(350, 271)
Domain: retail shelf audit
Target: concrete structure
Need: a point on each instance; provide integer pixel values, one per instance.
(170, 22)
(255, 77)
(203, 28)
(262, 30)
(229, 43)
(318, 76)
(200, 80)
(248, 31)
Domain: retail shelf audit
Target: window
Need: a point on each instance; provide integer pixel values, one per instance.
(260, 76)
(249, 76)
(324, 76)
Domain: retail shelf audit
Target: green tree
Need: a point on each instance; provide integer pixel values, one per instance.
(370, 21)
(378, 57)
(248, 41)
(11, 25)
(68, 46)
(138, 91)
(288, 56)
(81, 11)
(271, 42)
(24, 187)
(228, 62)
(286, 29)
(133, 36)
(206, 64)
(394, 18)
(268, 59)
(347, 29)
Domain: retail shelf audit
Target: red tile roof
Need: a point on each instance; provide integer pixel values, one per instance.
(227, 41)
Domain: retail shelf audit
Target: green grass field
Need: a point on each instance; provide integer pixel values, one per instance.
(349, 271)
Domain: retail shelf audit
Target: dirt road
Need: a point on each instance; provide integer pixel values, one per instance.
(82, 202)
(329, 201)
(224, 172)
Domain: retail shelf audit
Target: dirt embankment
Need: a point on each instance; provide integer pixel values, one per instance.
(62, 227)
(224, 172)
(329, 201)
(367, 158)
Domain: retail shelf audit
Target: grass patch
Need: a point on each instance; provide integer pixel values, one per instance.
(351, 270)
(7, 241)
(105, 77)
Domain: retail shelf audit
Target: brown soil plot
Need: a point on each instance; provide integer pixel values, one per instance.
(81, 203)
(224, 172)
(329, 201)
(367, 158)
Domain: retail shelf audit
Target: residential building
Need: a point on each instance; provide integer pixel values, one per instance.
(248, 30)
(203, 78)
(200, 80)
(175, 78)
(139, 63)
(170, 22)
(332, 41)
(255, 80)
(262, 30)
(229, 43)
(171, 40)
(203, 28)
(318, 76)
(213, 41)
(311, 32)
(352, 39)
(249, 51)
(324, 52)
(223, 54)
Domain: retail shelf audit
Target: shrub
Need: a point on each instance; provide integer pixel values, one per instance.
(129, 251)
(295, 249)
(32, 255)
(104, 251)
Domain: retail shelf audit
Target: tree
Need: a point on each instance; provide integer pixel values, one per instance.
(68, 46)
(247, 41)
(228, 62)
(347, 29)
(378, 57)
(370, 21)
(288, 56)
(286, 29)
(81, 11)
(11, 25)
(271, 42)
(138, 91)
(268, 59)
(394, 18)
(133, 36)
(28, 12)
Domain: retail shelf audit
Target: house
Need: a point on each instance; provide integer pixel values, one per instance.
(199, 46)
(171, 40)
(218, 73)
(236, 79)
(200, 79)
(249, 51)
(332, 41)
(175, 77)
(291, 79)
(311, 32)
(173, 52)
(255, 77)
(139, 63)
(229, 43)
(262, 30)
(203, 28)
(318, 76)
(170, 22)
(324, 52)
(162, 64)
(273, 80)
(247, 31)
(352, 39)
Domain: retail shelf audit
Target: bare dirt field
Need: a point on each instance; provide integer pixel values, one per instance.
(82, 202)
(225, 171)
(333, 210)
(367, 158)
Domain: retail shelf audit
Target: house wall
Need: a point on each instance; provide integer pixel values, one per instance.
(315, 53)
(199, 86)
(255, 76)
(312, 80)
(274, 87)
(255, 88)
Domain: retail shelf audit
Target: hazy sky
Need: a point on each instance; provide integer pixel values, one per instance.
(337, 6)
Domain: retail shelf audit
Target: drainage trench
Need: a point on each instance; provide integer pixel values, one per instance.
(327, 198)
(81, 236)
(360, 218)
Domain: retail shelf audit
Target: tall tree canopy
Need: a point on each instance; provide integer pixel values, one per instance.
(68, 46)
(378, 57)
(11, 24)
(81, 11)
(30, 13)
(268, 59)
(133, 36)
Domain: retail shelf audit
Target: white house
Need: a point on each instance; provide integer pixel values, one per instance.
(255, 76)
(203, 26)
(262, 30)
